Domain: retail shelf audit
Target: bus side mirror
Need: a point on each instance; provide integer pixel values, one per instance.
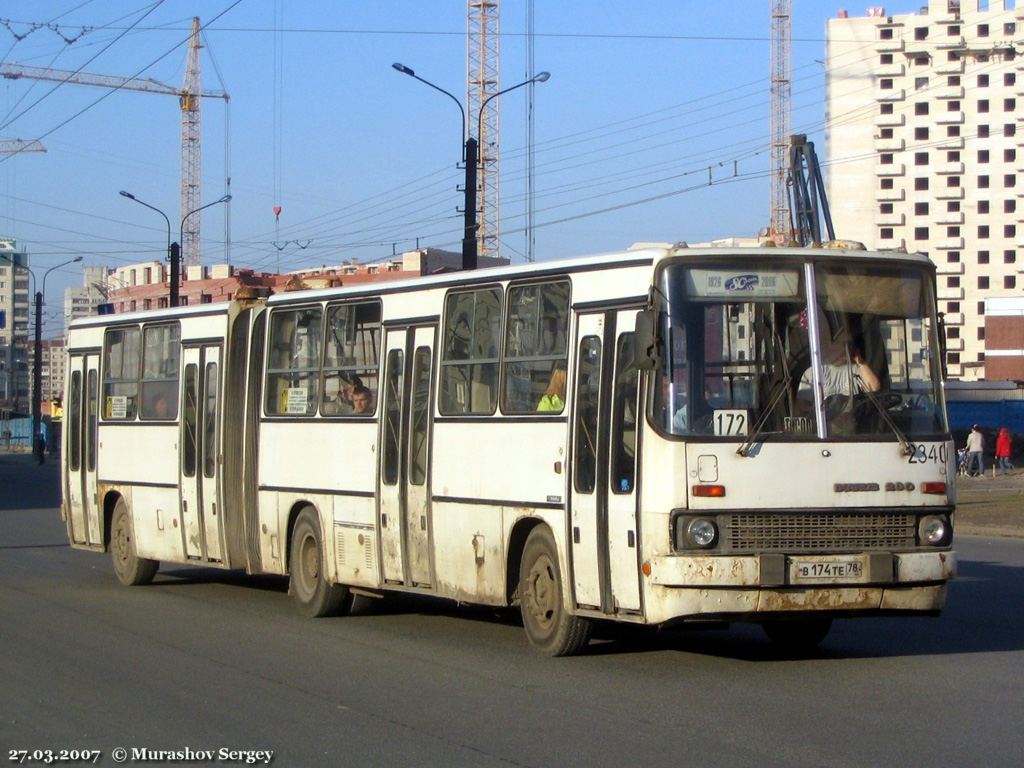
(647, 356)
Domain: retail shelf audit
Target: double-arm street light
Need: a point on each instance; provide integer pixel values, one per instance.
(37, 360)
(471, 158)
(174, 249)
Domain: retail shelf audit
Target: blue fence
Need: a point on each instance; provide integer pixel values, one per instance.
(992, 414)
(16, 432)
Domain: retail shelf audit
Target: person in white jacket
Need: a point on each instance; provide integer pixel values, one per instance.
(975, 446)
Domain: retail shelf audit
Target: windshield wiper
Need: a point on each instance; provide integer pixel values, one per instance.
(781, 387)
(905, 446)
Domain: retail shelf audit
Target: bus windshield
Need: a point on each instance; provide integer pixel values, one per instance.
(841, 351)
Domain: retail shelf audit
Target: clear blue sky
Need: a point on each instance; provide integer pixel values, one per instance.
(644, 97)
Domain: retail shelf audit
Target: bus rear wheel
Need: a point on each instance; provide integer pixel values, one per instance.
(130, 569)
(550, 628)
(797, 635)
(307, 578)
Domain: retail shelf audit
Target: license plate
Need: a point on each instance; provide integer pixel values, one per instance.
(831, 570)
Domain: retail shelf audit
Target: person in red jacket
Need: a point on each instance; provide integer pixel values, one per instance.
(1003, 450)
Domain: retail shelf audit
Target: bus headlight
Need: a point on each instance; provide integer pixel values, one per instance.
(934, 530)
(702, 532)
(695, 531)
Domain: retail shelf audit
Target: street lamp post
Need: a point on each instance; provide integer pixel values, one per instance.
(471, 159)
(37, 360)
(37, 366)
(174, 249)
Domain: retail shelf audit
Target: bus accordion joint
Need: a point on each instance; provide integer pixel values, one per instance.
(937, 488)
(707, 490)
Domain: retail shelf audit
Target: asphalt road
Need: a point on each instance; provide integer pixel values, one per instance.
(204, 660)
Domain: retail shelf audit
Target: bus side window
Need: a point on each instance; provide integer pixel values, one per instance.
(623, 440)
(469, 360)
(351, 359)
(393, 383)
(588, 391)
(420, 416)
(536, 348)
(188, 460)
(75, 421)
(121, 367)
(160, 348)
(293, 365)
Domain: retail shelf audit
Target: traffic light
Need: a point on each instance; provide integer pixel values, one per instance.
(56, 408)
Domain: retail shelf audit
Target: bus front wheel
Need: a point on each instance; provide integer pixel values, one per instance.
(130, 569)
(307, 577)
(550, 628)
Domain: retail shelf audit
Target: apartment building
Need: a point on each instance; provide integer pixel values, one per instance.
(85, 300)
(14, 320)
(924, 153)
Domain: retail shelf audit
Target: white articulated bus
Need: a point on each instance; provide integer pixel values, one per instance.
(662, 434)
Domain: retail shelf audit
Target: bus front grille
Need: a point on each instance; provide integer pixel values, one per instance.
(748, 532)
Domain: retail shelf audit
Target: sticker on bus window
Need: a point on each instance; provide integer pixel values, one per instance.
(731, 421)
(117, 407)
(296, 399)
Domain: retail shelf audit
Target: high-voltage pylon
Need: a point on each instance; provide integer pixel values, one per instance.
(482, 65)
(781, 65)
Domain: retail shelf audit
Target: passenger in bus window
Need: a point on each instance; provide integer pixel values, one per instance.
(361, 401)
(553, 399)
(342, 403)
(161, 410)
(157, 401)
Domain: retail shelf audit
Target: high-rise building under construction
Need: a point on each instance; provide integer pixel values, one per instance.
(924, 152)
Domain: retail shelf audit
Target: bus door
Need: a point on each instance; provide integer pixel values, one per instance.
(200, 453)
(405, 423)
(605, 549)
(80, 456)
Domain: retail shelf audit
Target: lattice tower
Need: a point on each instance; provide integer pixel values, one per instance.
(191, 146)
(482, 46)
(781, 65)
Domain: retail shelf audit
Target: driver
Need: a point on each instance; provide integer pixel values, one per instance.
(845, 372)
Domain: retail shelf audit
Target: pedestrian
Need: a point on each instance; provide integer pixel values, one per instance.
(1003, 445)
(975, 446)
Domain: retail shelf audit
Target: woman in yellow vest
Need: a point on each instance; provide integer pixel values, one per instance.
(553, 400)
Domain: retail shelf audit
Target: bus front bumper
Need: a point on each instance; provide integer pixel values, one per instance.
(683, 585)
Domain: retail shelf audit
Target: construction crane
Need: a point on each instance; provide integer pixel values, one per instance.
(482, 64)
(14, 146)
(189, 96)
(781, 66)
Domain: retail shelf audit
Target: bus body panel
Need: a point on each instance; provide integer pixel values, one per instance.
(471, 567)
(355, 541)
(330, 456)
(827, 475)
(521, 464)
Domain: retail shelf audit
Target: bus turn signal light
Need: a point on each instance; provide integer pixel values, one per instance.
(708, 490)
(937, 488)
